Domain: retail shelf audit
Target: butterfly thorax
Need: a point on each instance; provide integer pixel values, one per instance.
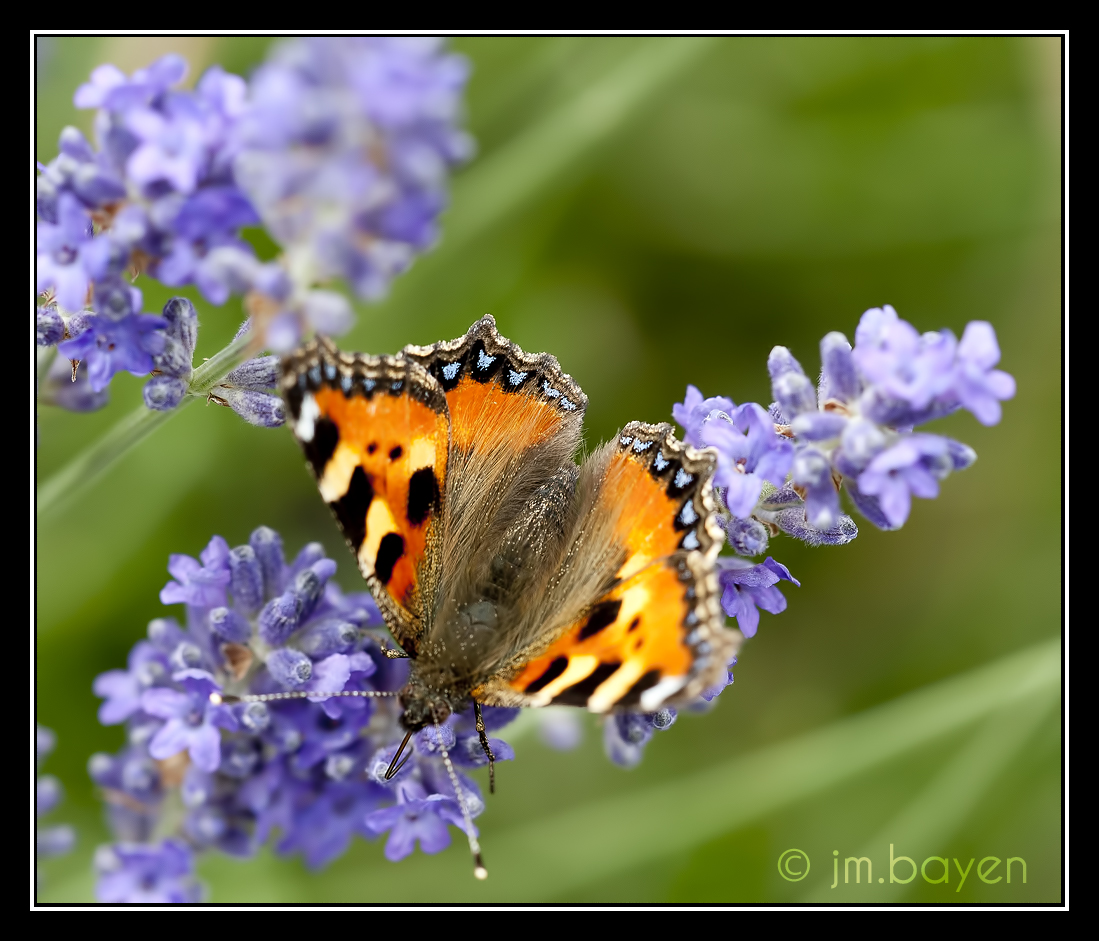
(426, 705)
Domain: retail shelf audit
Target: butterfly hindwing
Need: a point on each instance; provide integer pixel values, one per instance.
(375, 432)
(654, 634)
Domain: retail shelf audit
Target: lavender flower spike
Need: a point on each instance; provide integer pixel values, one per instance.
(307, 766)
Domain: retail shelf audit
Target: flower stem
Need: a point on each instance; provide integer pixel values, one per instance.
(90, 463)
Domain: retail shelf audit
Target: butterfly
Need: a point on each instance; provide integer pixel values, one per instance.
(509, 574)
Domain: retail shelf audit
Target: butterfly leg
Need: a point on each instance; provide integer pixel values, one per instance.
(481, 734)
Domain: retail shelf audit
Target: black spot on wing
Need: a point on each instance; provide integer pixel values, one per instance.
(554, 670)
(390, 550)
(423, 495)
(603, 615)
(578, 693)
(352, 507)
(325, 438)
(632, 696)
(293, 396)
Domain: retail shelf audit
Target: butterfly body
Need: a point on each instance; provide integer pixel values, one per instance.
(510, 575)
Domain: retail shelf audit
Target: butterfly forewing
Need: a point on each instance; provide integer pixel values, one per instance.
(375, 432)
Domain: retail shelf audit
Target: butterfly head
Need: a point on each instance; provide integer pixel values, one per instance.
(423, 705)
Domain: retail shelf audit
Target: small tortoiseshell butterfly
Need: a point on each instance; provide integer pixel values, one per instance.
(508, 574)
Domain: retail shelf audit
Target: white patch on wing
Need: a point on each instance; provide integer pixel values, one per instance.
(579, 668)
(615, 686)
(379, 523)
(337, 473)
(654, 697)
(634, 564)
(421, 454)
(305, 426)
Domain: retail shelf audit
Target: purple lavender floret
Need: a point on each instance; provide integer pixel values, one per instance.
(747, 587)
(693, 411)
(978, 386)
(122, 689)
(750, 453)
(111, 346)
(912, 467)
(199, 584)
(417, 817)
(903, 371)
(147, 873)
(192, 720)
(69, 258)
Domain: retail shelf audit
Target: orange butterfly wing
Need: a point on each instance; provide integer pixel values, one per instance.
(657, 634)
(375, 432)
(497, 395)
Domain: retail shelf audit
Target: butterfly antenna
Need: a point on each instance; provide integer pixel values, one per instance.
(227, 699)
(393, 768)
(483, 736)
(474, 847)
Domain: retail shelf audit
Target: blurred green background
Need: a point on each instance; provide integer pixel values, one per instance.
(657, 212)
